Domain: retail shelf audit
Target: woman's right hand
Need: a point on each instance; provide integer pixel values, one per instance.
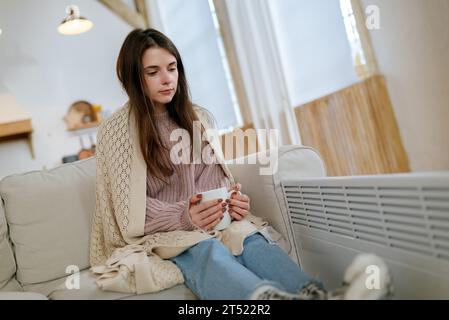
(207, 214)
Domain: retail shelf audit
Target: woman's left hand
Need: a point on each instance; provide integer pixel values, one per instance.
(239, 204)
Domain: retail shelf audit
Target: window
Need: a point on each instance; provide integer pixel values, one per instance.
(358, 54)
(314, 49)
(204, 57)
(227, 69)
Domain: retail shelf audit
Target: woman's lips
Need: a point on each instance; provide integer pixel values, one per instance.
(166, 92)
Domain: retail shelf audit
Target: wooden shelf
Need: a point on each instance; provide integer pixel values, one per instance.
(14, 128)
(27, 135)
(15, 122)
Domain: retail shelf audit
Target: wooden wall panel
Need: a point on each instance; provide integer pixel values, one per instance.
(355, 130)
(241, 145)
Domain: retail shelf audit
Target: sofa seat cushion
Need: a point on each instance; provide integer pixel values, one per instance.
(49, 216)
(12, 285)
(88, 290)
(18, 295)
(7, 262)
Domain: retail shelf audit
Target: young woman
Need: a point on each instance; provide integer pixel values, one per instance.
(148, 208)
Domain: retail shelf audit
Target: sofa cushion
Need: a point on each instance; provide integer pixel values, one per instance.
(12, 285)
(265, 191)
(14, 295)
(88, 290)
(49, 214)
(7, 263)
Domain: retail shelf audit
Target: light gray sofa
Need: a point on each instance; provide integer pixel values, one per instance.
(45, 220)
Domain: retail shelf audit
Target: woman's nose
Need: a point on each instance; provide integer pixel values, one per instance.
(166, 78)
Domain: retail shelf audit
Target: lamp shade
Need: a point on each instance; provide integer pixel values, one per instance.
(73, 23)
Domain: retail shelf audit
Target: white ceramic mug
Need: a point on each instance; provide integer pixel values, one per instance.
(220, 193)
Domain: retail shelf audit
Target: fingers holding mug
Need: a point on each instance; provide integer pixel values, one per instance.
(238, 213)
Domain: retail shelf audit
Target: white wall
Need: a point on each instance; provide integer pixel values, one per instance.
(315, 52)
(412, 49)
(46, 72)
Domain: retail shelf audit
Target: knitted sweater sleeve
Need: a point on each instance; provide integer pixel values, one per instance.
(163, 216)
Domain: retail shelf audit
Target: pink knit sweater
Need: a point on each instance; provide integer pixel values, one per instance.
(167, 204)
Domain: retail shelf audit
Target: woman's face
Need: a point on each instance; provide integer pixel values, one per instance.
(161, 76)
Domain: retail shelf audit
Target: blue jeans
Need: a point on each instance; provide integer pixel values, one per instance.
(212, 272)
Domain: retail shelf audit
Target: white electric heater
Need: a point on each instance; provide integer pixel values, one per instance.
(403, 218)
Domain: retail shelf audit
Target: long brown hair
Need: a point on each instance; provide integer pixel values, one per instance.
(130, 72)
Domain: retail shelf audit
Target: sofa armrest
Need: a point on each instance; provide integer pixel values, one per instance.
(265, 192)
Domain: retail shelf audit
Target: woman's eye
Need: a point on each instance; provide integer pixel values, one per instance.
(152, 73)
(172, 69)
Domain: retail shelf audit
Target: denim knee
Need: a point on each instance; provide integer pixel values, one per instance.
(209, 245)
(254, 237)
